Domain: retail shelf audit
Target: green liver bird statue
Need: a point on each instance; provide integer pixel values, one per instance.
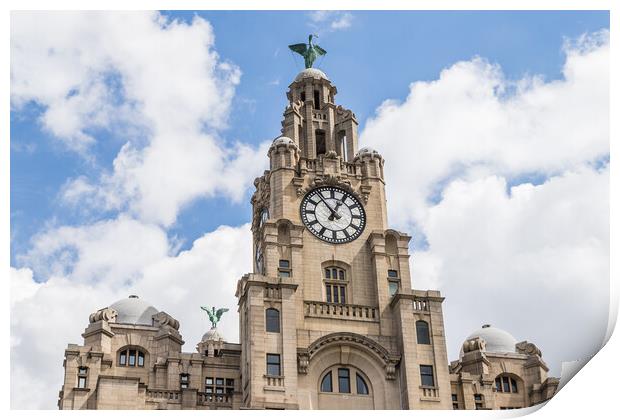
(310, 52)
(214, 316)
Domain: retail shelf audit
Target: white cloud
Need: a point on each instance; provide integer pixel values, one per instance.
(47, 316)
(330, 20)
(156, 84)
(532, 259)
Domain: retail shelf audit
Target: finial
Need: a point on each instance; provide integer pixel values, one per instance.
(214, 316)
(310, 52)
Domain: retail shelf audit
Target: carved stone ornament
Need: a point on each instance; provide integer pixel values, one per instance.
(105, 314)
(329, 179)
(528, 348)
(163, 319)
(343, 114)
(474, 344)
(387, 359)
(303, 360)
(260, 198)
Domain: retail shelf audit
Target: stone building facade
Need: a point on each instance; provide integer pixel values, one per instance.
(328, 319)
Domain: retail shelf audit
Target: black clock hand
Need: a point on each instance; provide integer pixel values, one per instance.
(334, 214)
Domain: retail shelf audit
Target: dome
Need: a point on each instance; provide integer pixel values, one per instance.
(497, 340)
(282, 140)
(311, 72)
(367, 151)
(213, 335)
(134, 310)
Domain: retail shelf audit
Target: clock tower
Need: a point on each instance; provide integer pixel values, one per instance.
(328, 317)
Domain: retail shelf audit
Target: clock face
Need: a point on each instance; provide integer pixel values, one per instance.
(333, 214)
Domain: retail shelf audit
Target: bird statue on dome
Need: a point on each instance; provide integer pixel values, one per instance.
(310, 52)
(214, 316)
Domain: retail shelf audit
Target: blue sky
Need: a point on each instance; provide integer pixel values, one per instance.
(135, 139)
(376, 58)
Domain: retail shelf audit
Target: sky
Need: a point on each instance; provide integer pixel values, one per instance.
(136, 137)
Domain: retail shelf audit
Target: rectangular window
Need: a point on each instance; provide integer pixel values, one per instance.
(320, 142)
(81, 382)
(393, 287)
(455, 397)
(344, 382)
(479, 406)
(184, 381)
(335, 293)
(393, 274)
(82, 371)
(506, 383)
(498, 384)
(284, 273)
(219, 390)
(132, 357)
(317, 102)
(426, 375)
(140, 359)
(273, 364)
(209, 381)
(285, 264)
(328, 273)
(122, 359)
(219, 381)
(513, 384)
(455, 406)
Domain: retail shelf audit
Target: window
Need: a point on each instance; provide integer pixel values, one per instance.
(344, 383)
(455, 402)
(284, 268)
(421, 330)
(219, 386)
(326, 383)
(273, 364)
(184, 380)
(321, 147)
(393, 274)
(505, 383)
(131, 357)
(335, 286)
(393, 287)
(479, 400)
(272, 320)
(426, 375)
(81, 379)
(317, 101)
(303, 96)
(362, 388)
(264, 216)
(344, 375)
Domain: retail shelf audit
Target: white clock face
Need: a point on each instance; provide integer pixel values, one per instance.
(333, 214)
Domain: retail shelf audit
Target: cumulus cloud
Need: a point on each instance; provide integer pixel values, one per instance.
(330, 20)
(504, 185)
(46, 316)
(155, 83)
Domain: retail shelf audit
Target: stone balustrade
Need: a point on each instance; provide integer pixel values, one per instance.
(341, 311)
(163, 394)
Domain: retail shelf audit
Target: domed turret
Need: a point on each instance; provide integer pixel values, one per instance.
(367, 151)
(133, 310)
(495, 339)
(311, 73)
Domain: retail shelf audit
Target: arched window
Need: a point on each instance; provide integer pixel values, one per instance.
(506, 383)
(421, 329)
(344, 375)
(131, 357)
(326, 383)
(335, 285)
(272, 320)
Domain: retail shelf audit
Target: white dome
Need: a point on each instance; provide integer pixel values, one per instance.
(367, 150)
(133, 310)
(497, 340)
(213, 335)
(311, 72)
(282, 140)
